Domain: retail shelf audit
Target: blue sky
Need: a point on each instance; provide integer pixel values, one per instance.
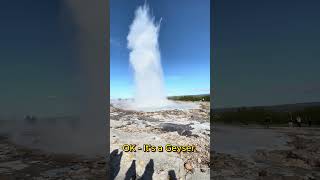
(184, 44)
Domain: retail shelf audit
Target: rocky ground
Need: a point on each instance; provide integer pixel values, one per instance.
(17, 162)
(175, 127)
(299, 161)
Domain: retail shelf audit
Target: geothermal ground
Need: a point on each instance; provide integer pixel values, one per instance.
(176, 127)
(18, 162)
(248, 153)
(26, 154)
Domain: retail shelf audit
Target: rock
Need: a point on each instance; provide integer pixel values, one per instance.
(263, 173)
(188, 166)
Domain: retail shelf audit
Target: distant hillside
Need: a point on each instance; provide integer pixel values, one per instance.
(277, 108)
(198, 97)
(279, 114)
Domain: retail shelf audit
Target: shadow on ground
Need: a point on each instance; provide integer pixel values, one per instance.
(131, 174)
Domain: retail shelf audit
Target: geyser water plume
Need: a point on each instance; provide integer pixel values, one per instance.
(145, 60)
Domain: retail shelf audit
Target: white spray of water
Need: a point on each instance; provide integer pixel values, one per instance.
(145, 60)
(146, 63)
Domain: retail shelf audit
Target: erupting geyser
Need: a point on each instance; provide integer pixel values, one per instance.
(145, 60)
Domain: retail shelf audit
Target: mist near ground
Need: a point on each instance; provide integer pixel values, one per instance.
(77, 122)
(129, 104)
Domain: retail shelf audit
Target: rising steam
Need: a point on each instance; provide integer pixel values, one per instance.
(145, 60)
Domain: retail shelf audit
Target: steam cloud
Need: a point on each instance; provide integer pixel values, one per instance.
(145, 60)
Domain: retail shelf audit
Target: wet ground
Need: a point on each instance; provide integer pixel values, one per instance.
(49, 149)
(244, 141)
(258, 153)
(18, 162)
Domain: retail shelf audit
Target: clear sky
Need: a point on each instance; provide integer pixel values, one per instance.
(266, 52)
(184, 42)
